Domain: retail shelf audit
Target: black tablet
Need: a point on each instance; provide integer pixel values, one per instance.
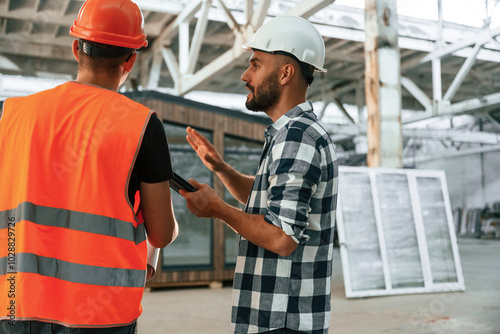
(179, 183)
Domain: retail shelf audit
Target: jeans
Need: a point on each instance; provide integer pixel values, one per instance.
(39, 327)
(282, 331)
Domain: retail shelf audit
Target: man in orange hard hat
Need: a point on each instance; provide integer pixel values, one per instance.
(73, 257)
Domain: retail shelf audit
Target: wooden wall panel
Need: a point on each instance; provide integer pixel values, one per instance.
(220, 125)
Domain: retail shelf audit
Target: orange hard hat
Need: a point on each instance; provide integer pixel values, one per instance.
(112, 22)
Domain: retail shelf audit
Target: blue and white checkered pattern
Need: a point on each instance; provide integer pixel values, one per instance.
(296, 189)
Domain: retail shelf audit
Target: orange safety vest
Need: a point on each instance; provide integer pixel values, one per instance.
(71, 249)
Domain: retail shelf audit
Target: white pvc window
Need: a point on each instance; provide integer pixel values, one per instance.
(396, 232)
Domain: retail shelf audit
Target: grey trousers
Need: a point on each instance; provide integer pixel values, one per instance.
(39, 327)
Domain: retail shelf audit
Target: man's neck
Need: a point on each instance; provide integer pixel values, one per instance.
(282, 107)
(103, 81)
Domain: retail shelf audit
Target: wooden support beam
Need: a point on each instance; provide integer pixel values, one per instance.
(383, 84)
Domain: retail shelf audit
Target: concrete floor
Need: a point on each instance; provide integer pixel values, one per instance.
(477, 310)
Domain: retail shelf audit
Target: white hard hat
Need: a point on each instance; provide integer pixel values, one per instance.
(294, 35)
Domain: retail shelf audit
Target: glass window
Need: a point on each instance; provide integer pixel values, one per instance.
(361, 236)
(396, 233)
(400, 234)
(243, 155)
(437, 232)
(193, 246)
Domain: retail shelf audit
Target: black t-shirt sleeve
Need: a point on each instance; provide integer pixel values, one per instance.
(154, 156)
(153, 162)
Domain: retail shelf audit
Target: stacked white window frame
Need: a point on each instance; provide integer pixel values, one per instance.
(396, 232)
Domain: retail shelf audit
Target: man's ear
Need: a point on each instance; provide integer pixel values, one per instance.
(74, 48)
(287, 73)
(128, 65)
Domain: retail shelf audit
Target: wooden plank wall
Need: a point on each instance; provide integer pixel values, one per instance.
(220, 125)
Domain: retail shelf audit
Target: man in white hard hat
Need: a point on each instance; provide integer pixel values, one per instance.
(284, 267)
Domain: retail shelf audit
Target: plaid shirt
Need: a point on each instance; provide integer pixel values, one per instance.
(296, 189)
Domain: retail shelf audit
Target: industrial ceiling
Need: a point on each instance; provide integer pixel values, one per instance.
(447, 69)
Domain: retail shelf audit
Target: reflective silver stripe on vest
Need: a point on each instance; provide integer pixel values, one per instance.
(74, 272)
(74, 220)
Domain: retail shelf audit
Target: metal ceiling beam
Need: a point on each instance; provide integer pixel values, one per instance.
(461, 153)
(462, 73)
(37, 5)
(30, 28)
(36, 50)
(218, 66)
(231, 21)
(454, 136)
(468, 106)
(172, 7)
(472, 137)
(155, 70)
(248, 10)
(437, 73)
(52, 15)
(65, 7)
(343, 110)
(309, 8)
(437, 80)
(183, 70)
(417, 93)
(419, 34)
(259, 14)
(3, 27)
(172, 29)
(173, 67)
(7, 64)
(480, 39)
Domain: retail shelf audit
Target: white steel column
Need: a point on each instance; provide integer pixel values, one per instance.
(184, 47)
(437, 86)
(383, 84)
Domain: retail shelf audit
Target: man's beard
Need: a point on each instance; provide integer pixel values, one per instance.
(266, 95)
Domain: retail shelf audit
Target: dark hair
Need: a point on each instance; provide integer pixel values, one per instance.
(306, 69)
(100, 56)
(100, 50)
